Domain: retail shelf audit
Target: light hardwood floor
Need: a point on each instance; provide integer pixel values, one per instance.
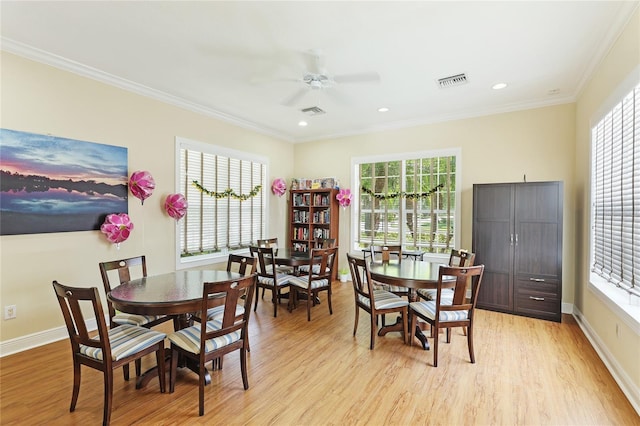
(527, 372)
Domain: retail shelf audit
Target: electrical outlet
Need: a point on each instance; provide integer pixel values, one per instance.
(617, 330)
(10, 312)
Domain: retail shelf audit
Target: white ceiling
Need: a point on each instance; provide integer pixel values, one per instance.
(238, 61)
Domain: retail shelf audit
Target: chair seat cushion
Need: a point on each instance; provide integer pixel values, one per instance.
(303, 282)
(134, 319)
(218, 311)
(125, 340)
(383, 300)
(427, 309)
(283, 280)
(189, 338)
(284, 269)
(315, 269)
(392, 288)
(430, 294)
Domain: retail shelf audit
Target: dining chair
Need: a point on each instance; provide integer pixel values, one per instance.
(457, 258)
(124, 268)
(313, 283)
(388, 253)
(111, 348)
(211, 340)
(375, 302)
(273, 243)
(243, 265)
(318, 243)
(269, 278)
(444, 315)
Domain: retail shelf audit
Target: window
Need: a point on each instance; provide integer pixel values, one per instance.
(216, 222)
(615, 184)
(411, 200)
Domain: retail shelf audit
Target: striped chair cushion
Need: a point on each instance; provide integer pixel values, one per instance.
(284, 269)
(303, 282)
(133, 319)
(218, 312)
(283, 279)
(379, 286)
(383, 300)
(428, 310)
(189, 338)
(430, 294)
(315, 269)
(125, 340)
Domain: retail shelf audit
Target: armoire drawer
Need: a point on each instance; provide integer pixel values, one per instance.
(549, 287)
(537, 304)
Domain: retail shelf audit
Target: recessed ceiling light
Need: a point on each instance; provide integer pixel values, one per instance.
(499, 86)
(302, 123)
(383, 109)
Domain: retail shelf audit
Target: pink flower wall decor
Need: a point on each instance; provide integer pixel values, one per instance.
(176, 206)
(278, 187)
(141, 185)
(344, 197)
(117, 228)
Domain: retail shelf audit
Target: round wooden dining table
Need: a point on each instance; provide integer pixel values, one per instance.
(410, 274)
(178, 294)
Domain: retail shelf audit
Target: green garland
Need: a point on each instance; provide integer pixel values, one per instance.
(228, 193)
(411, 196)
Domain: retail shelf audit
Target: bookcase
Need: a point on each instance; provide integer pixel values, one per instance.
(314, 213)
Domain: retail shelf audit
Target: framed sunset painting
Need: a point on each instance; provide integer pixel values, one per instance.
(54, 184)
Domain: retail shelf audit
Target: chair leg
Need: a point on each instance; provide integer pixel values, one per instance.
(275, 296)
(405, 325)
(374, 329)
(162, 373)
(470, 343)
(329, 300)
(201, 390)
(435, 346)
(243, 368)
(138, 367)
(255, 305)
(448, 334)
(309, 300)
(412, 327)
(173, 371)
(125, 372)
(108, 397)
(355, 324)
(76, 385)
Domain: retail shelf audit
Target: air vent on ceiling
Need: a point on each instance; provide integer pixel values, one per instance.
(454, 80)
(313, 111)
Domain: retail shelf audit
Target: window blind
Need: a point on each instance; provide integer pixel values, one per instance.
(215, 224)
(616, 195)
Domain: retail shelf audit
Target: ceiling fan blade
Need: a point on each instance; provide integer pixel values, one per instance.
(295, 97)
(361, 77)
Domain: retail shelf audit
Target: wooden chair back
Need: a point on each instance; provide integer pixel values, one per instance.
(266, 261)
(244, 265)
(325, 242)
(360, 277)
(461, 258)
(386, 252)
(124, 268)
(326, 259)
(268, 242)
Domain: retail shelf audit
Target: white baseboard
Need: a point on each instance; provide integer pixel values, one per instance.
(629, 388)
(31, 341)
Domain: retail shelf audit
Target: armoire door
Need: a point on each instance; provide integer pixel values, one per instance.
(493, 212)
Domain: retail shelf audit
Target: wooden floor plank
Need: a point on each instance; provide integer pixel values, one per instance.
(527, 372)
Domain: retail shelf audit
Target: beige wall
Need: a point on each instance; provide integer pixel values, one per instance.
(42, 99)
(538, 143)
(623, 349)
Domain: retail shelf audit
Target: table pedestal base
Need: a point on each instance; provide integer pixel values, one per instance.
(397, 326)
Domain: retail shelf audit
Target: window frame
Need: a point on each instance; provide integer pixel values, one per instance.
(619, 300)
(413, 155)
(220, 257)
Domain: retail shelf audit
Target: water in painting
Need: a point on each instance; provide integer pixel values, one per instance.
(53, 184)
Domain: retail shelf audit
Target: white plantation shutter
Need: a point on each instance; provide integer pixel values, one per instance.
(616, 194)
(217, 225)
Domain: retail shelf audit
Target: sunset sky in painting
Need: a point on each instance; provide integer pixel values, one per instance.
(60, 158)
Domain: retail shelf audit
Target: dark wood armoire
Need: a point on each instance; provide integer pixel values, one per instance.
(517, 235)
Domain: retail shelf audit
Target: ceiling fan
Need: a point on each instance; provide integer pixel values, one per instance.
(316, 77)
